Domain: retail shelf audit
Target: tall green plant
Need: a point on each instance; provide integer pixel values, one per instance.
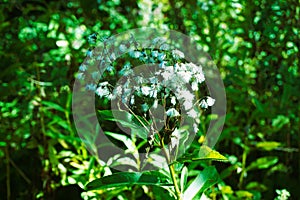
(142, 111)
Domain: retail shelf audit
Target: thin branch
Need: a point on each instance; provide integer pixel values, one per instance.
(20, 171)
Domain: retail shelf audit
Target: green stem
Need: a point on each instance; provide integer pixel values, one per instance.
(67, 113)
(171, 169)
(244, 158)
(173, 175)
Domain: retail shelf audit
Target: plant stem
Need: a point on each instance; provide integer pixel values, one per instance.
(171, 169)
(173, 175)
(244, 158)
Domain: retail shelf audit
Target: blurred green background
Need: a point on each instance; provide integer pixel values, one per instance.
(255, 45)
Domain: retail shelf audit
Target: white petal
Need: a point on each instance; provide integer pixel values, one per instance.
(173, 101)
(187, 104)
(132, 100)
(192, 113)
(145, 90)
(194, 86)
(172, 112)
(210, 101)
(155, 104)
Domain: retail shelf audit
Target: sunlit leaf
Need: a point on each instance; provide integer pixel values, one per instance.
(263, 163)
(244, 194)
(183, 178)
(123, 138)
(280, 121)
(207, 178)
(205, 153)
(268, 145)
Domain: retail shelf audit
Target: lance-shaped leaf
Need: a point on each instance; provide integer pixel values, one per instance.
(268, 145)
(263, 163)
(207, 178)
(163, 193)
(183, 178)
(125, 119)
(122, 179)
(204, 153)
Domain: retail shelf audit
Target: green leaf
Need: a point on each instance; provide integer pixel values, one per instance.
(122, 179)
(91, 165)
(268, 145)
(125, 161)
(161, 193)
(123, 138)
(209, 154)
(54, 106)
(277, 169)
(256, 186)
(183, 178)
(280, 121)
(263, 163)
(136, 124)
(207, 178)
(56, 134)
(205, 153)
(244, 194)
(258, 104)
(228, 171)
(52, 155)
(3, 144)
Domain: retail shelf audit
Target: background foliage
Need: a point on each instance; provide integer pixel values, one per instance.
(254, 43)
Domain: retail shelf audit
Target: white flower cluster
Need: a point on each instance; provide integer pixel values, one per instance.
(184, 79)
(181, 79)
(179, 83)
(172, 79)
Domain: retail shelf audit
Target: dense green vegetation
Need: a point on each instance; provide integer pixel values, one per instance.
(255, 45)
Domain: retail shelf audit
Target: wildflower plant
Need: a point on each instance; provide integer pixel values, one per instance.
(149, 98)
